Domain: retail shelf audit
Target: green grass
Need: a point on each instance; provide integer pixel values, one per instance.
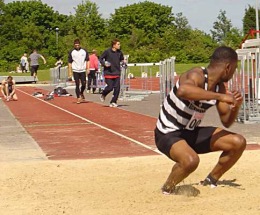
(44, 75)
(181, 68)
(151, 70)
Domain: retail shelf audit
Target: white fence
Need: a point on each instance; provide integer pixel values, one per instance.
(246, 79)
(59, 76)
(167, 77)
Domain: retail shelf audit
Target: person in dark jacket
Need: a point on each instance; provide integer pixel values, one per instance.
(111, 60)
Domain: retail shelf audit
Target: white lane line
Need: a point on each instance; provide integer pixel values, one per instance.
(96, 124)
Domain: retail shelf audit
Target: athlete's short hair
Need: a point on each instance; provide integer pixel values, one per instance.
(223, 54)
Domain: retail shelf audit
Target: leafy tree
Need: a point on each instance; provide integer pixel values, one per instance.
(150, 17)
(88, 23)
(30, 24)
(148, 32)
(249, 19)
(234, 38)
(2, 4)
(221, 27)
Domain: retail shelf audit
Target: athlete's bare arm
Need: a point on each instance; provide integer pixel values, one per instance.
(192, 88)
(70, 70)
(228, 111)
(3, 88)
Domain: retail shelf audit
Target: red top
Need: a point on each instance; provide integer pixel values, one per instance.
(93, 62)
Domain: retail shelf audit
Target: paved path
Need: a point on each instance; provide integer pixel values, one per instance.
(16, 144)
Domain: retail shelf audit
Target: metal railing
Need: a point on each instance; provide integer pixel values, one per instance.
(59, 76)
(167, 77)
(246, 79)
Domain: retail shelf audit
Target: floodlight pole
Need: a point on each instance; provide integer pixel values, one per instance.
(57, 37)
(257, 20)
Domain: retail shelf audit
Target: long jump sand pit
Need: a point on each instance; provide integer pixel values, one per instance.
(125, 186)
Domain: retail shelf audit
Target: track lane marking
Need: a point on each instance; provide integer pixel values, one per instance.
(96, 124)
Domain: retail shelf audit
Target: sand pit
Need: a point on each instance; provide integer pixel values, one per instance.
(125, 186)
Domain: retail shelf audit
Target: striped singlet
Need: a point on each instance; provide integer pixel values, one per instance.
(177, 114)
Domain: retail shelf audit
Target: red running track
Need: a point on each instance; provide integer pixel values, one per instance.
(66, 130)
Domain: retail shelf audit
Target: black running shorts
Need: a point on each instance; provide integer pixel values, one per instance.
(198, 139)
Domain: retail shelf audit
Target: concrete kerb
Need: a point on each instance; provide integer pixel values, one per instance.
(16, 144)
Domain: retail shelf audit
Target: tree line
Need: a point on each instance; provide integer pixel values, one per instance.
(149, 32)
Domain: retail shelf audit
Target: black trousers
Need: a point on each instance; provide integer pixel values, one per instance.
(80, 77)
(92, 79)
(112, 84)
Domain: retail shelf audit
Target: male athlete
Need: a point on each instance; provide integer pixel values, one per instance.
(178, 134)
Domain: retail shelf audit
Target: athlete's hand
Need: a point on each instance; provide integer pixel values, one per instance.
(233, 98)
(238, 97)
(228, 98)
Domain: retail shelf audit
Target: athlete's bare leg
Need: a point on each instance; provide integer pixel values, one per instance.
(187, 162)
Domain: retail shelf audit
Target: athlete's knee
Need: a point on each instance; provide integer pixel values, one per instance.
(190, 162)
(239, 142)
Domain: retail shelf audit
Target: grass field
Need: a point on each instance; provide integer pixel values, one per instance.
(44, 75)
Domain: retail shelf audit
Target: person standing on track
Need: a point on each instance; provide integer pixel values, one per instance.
(79, 64)
(92, 76)
(8, 89)
(111, 60)
(178, 134)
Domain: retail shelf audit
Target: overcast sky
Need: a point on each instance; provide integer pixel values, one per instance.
(201, 14)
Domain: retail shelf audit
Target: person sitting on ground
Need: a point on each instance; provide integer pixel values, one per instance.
(8, 89)
(18, 69)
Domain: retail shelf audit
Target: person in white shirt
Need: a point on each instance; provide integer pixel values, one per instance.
(78, 66)
(24, 64)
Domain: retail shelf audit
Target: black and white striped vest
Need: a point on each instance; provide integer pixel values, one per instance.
(177, 114)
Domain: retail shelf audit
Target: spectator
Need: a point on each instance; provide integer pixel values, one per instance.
(110, 60)
(8, 89)
(78, 60)
(59, 62)
(58, 65)
(18, 69)
(93, 69)
(34, 57)
(24, 63)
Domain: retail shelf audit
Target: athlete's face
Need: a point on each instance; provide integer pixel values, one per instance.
(230, 70)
